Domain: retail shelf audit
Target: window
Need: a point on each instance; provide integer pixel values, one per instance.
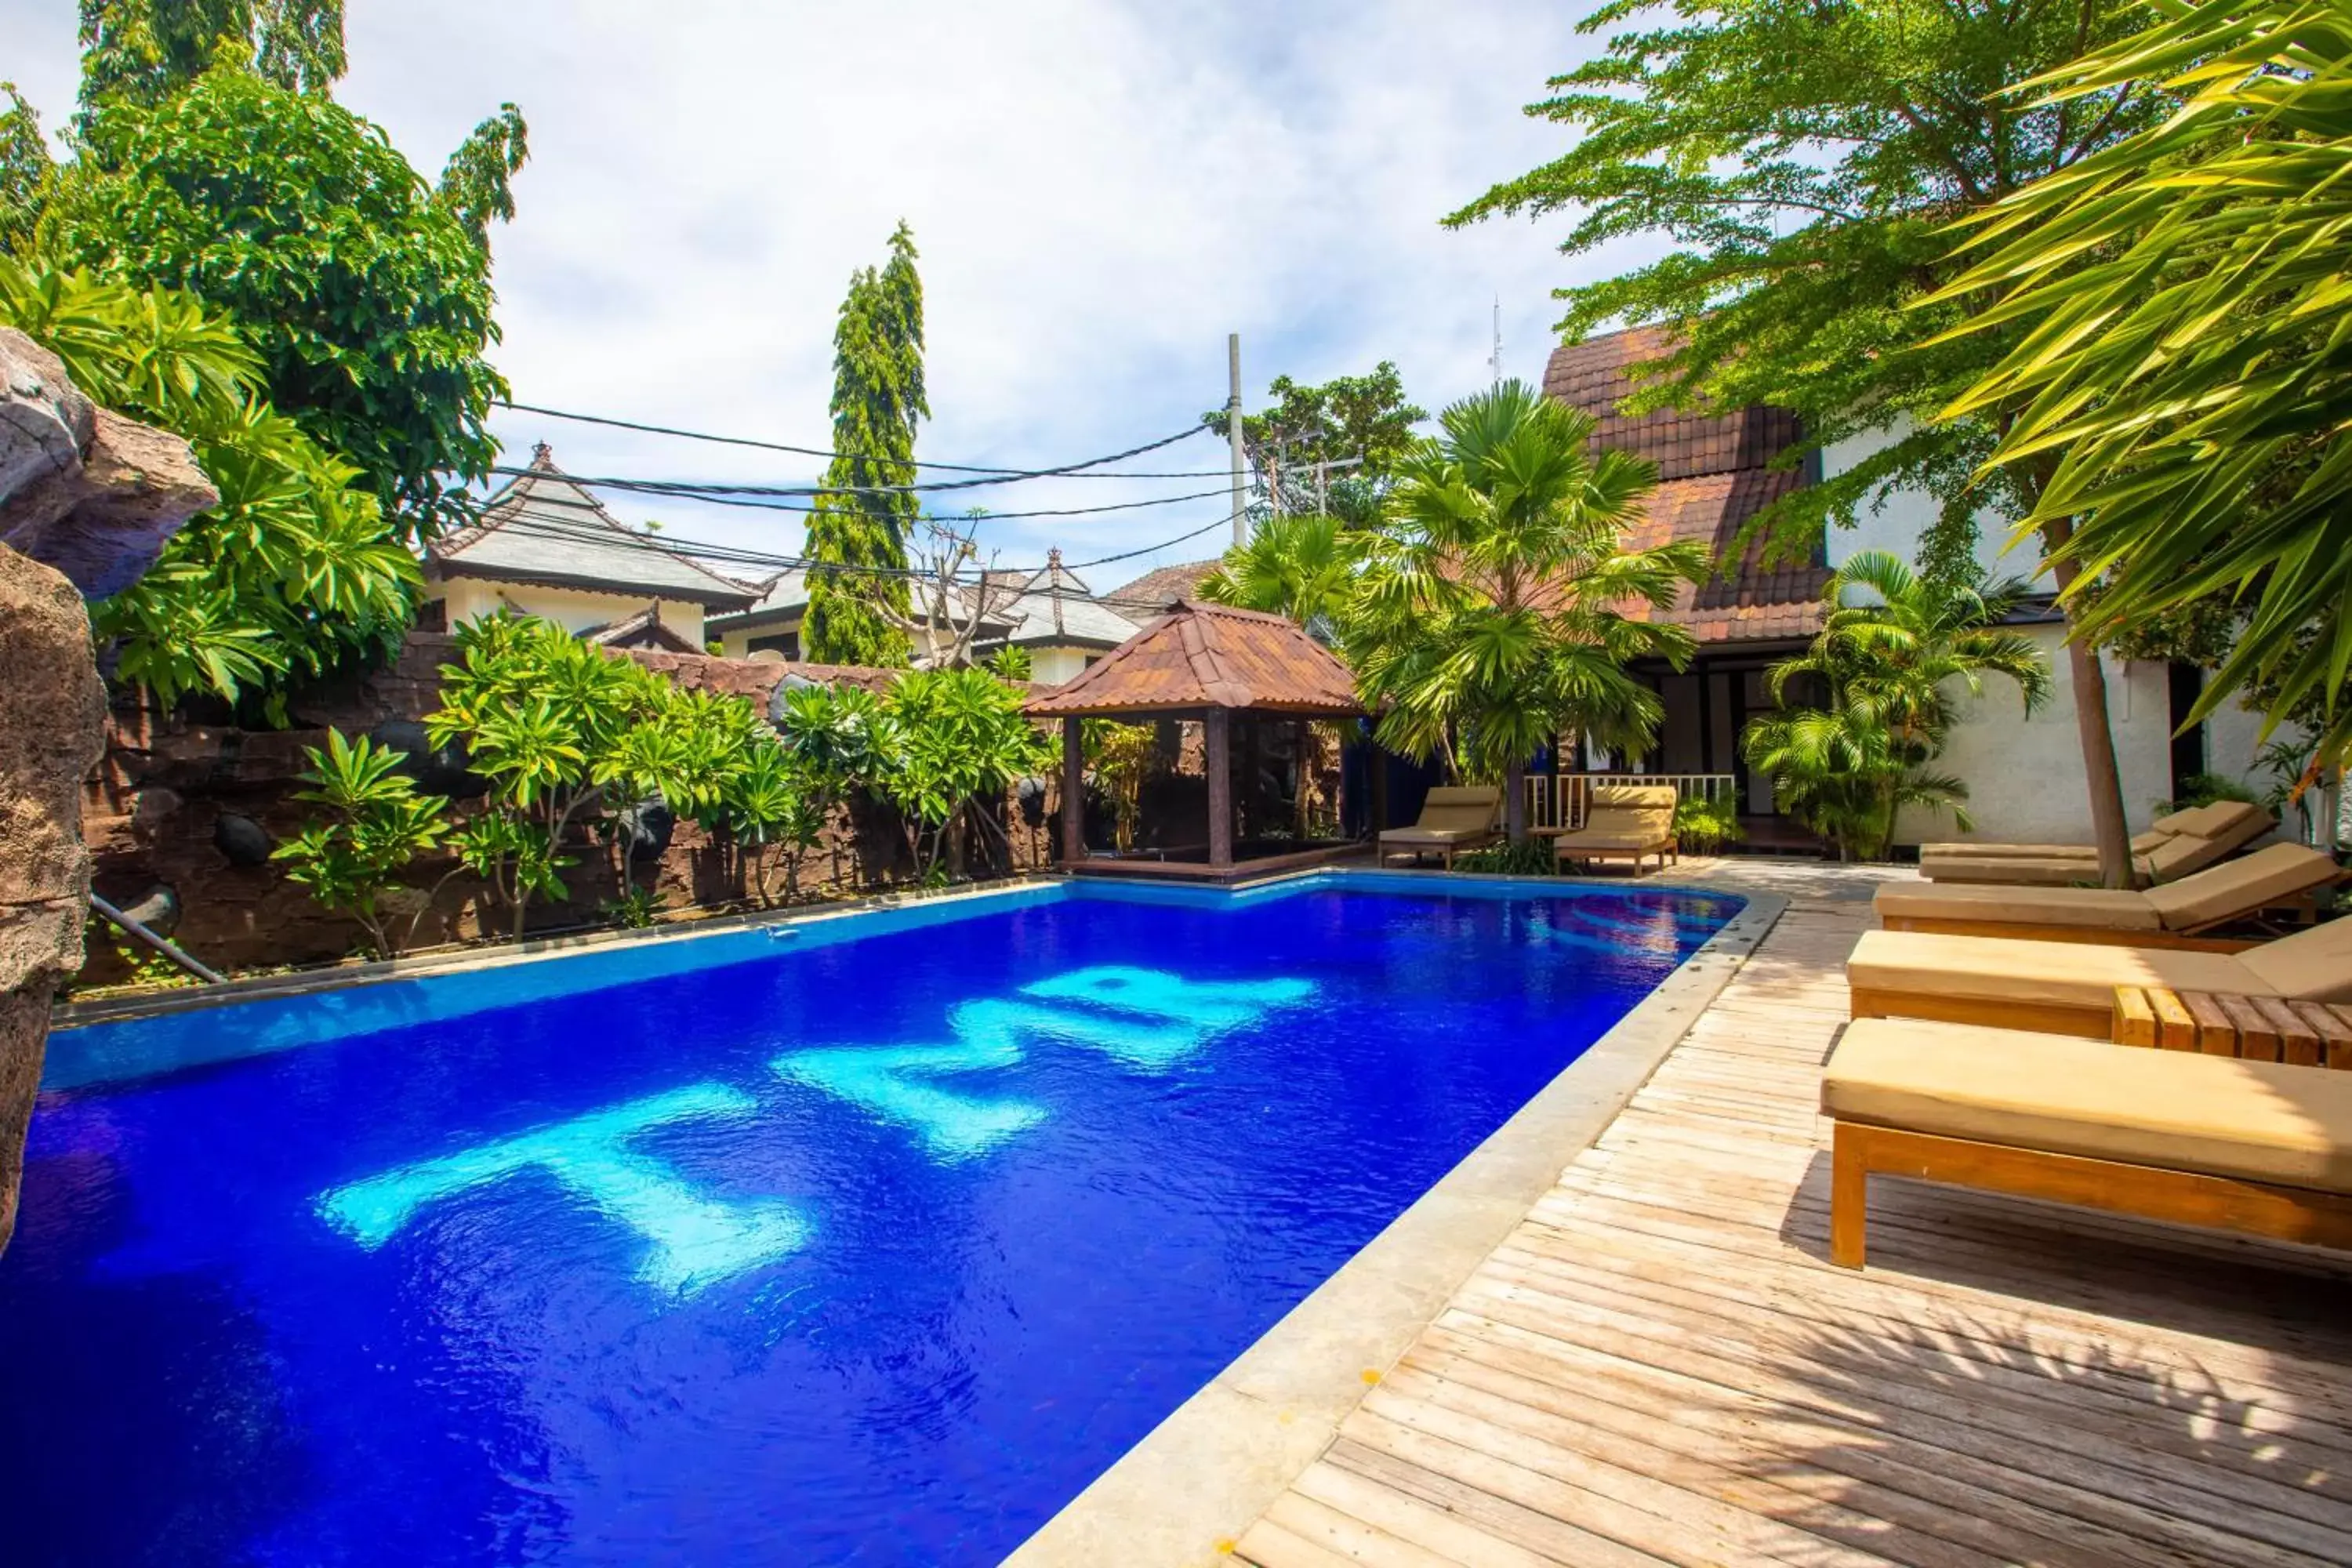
(788, 644)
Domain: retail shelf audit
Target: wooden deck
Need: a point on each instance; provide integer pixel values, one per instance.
(1662, 1366)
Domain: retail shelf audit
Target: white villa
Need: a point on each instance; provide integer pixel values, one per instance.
(545, 546)
(2024, 775)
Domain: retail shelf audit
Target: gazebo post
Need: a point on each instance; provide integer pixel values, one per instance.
(1074, 792)
(1216, 731)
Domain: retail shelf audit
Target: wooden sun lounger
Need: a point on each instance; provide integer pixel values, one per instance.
(2210, 834)
(2201, 819)
(2069, 987)
(2174, 914)
(1623, 822)
(2262, 1148)
(1453, 818)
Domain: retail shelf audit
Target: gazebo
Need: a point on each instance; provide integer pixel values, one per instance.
(1234, 672)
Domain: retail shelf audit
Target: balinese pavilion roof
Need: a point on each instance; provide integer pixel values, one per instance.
(547, 528)
(1200, 657)
(1048, 608)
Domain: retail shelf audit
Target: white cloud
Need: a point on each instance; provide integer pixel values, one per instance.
(1100, 193)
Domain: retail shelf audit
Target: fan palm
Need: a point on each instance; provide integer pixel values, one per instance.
(1491, 612)
(1302, 567)
(2187, 379)
(1894, 650)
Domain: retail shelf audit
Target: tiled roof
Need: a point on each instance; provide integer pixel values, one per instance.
(1053, 607)
(1207, 656)
(645, 629)
(546, 528)
(1713, 480)
(780, 597)
(1157, 590)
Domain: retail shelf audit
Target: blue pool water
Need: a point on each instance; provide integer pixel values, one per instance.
(872, 1245)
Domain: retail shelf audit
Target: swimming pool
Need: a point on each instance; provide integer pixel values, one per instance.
(872, 1242)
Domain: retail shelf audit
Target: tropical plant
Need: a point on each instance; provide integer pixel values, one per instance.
(26, 173)
(548, 721)
(1528, 858)
(2173, 315)
(145, 50)
(1120, 757)
(771, 807)
(858, 529)
(1704, 826)
(293, 572)
(1491, 612)
(960, 740)
(1010, 664)
(1894, 649)
(1792, 166)
(1304, 567)
(373, 826)
(366, 293)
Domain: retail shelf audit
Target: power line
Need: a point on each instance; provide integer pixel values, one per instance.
(557, 531)
(1007, 476)
(756, 496)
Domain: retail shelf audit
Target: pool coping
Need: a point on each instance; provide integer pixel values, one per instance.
(1180, 1497)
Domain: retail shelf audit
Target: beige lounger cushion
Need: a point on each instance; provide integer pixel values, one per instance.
(1995, 969)
(1638, 797)
(2016, 871)
(1624, 836)
(2312, 965)
(2098, 907)
(2218, 893)
(2195, 819)
(2211, 834)
(2175, 1110)
(2240, 887)
(1434, 838)
(1450, 815)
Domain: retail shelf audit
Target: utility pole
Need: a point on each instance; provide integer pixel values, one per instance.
(1234, 433)
(1495, 363)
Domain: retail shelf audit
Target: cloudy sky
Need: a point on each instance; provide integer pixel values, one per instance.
(1100, 191)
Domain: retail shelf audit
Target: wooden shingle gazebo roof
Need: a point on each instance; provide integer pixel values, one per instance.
(1200, 657)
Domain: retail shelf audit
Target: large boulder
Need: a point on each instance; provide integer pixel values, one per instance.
(52, 729)
(87, 501)
(82, 488)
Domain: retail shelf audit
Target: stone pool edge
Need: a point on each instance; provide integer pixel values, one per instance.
(1181, 1496)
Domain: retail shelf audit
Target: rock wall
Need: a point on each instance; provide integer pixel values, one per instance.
(181, 816)
(87, 499)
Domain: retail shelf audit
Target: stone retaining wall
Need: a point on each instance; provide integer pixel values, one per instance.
(180, 817)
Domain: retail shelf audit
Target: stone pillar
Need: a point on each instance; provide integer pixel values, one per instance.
(1217, 743)
(1074, 792)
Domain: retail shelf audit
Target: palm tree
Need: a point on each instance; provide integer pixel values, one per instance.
(1894, 650)
(1491, 612)
(1304, 567)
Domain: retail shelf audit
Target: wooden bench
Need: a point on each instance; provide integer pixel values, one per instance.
(2256, 1028)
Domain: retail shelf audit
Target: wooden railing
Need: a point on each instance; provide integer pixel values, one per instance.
(1561, 801)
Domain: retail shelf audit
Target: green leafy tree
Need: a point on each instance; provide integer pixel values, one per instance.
(1011, 664)
(375, 825)
(1118, 758)
(293, 574)
(2172, 317)
(773, 809)
(367, 295)
(1894, 648)
(1349, 416)
(144, 50)
(857, 531)
(960, 739)
(1800, 161)
(1490, 616)
(26, 173)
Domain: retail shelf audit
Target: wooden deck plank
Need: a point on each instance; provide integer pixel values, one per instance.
(1660, 1366)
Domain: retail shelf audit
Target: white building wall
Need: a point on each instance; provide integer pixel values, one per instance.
(1895, 520)
(575, 610)
(1053, 666)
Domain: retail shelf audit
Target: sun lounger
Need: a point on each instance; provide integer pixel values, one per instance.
(2199, 819)
(1623, 822)
(1453, 818)
(2258, 1147)
(2209, 836)
(2069, 988)
(2170, 914)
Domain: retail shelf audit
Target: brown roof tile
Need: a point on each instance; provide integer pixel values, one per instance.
(1713, 480)
(1208, 656)
(1160, 589)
